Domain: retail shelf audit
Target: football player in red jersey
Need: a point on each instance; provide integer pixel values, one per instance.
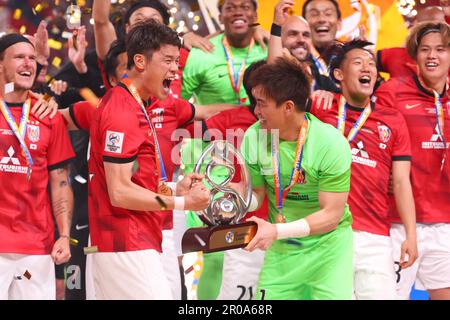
(126, 174)
(423, 99)
(34, 154)
(396, 61)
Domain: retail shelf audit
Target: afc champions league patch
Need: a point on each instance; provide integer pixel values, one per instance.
(114, 141)
(384, 132)
(33, 133)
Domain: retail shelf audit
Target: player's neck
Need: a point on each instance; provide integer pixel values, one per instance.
(16, 96)
(437, 85)
(239, 41)
(356, 101)
(139, 82)
(290, 131)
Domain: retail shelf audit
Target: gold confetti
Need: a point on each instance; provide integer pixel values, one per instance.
(89, 96)
(47, 77)
(81, 3)
(73, 241)
(27, 275)
(38, 8)
(17, 14)
(53, 44)
(88, 250)
(56, 61)
(23, 29)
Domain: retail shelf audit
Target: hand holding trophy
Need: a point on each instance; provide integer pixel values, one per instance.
(229, 202)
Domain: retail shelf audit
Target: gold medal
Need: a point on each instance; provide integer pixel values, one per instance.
(164, 189)
(280, 218)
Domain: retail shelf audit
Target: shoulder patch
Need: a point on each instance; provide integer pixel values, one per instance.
(114, 141)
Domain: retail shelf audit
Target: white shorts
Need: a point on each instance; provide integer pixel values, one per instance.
(14, 285)
(179, 228)
(131, 275)
(373, 267)
(240, 274)
(170, 263)
(431, 270)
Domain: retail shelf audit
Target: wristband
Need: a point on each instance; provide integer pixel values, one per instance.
(296, 229)
(178, 203)
(275, 30)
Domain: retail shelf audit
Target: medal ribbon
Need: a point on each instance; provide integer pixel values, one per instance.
(19, 131)
(160, 164)
(280, 193)
(235, 77)
(342, 115)
(439, 111)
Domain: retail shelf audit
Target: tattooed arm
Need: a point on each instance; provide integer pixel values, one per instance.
(62, 203)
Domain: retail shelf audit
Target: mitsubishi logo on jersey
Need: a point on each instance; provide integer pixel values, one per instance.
(10, 158)
(359, 155)
(436, 141)
(12, 164)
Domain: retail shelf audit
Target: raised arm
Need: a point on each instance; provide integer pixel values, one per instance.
(279, 19)
(104, 31)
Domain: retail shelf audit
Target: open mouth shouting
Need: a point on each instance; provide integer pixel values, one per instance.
(166, 84)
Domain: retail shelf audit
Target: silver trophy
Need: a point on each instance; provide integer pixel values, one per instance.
(229, 202)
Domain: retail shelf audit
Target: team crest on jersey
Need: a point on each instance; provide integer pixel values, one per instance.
(33, 133)
(114, 141)
(302, 177)
(385, 133)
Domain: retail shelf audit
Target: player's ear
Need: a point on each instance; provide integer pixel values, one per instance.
(289, 106)
(338, 74)
(139, 61)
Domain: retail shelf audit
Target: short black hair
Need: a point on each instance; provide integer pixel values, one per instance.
(338, 52)
(147, 37)
(155, 4)
(246, 81)
(285, 79)
(222, 2)
(334, 2)
(112, 57)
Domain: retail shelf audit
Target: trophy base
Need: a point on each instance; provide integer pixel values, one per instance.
(218, 238)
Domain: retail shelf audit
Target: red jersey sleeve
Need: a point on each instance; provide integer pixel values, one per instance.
(120, 132)
(59, 149)
(184, 111)
(402, 143)
(82, 114)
